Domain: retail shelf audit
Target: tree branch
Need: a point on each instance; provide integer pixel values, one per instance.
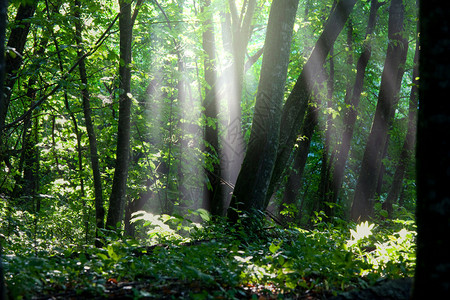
(58, 85)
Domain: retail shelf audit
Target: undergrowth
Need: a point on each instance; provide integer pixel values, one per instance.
(179, 258)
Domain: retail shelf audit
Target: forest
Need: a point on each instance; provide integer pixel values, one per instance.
(224, 149)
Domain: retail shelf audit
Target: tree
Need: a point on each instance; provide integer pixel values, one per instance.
(300, 96)
(117, 197)
(213, 197)
(236, 42)
(352, 100)
(254, 177)
(328, 129)
(409, 143)
(27, 184)
(295, 177)
(432, 154)
(98, 190)
(363, 201)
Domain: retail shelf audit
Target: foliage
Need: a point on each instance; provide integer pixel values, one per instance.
(219, 261)
(177, 249)
(166, 227)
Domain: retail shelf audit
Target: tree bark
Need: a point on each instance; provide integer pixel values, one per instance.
(362, 207)
(410, 140)
(326, 157)
(294, 181)
(93, 154)
(119, 186)
(297, 102)
(234, 143)
(352, 102)
(254, 177)
(433, 159)
(213, 196)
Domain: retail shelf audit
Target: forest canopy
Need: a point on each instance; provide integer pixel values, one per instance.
(186, 128)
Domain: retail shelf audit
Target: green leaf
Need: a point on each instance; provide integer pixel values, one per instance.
(274, 248)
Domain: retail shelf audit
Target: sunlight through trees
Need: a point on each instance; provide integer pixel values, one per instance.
(136, 130)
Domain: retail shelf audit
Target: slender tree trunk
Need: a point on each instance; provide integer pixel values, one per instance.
(213, 197)
(294, 181)
(297, 102)
(254, 177)
(54, 150)
(187, 194)
(409, 143)
(24, 186)
(119, 186)
(234, 145)
(353, 102)
(186, 129)
(382, 170)
(326, 157)
(362, 207)
(327, 194)
(31, 160)
(433, 159)
(93, 154)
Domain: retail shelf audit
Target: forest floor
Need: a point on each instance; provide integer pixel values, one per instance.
(345, 261)
(399, 289)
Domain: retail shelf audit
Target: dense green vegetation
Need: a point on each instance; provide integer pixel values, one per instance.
(125, 125)
(212, 261)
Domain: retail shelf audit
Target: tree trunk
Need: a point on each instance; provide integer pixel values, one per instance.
(98, 190)
(31, 159)
(297, 102)
(240, 35)
(119, 186)
(382, 170)
(25, 186)
(294, 181)
(409, 143)
(326, 157)
(351, 113)
(213, 197)
(362, 207)
(433, 159)
(254, 177)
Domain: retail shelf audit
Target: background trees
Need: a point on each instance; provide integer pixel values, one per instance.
(363, 203)
(119, 185)
(256, 171)
(169, 96)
